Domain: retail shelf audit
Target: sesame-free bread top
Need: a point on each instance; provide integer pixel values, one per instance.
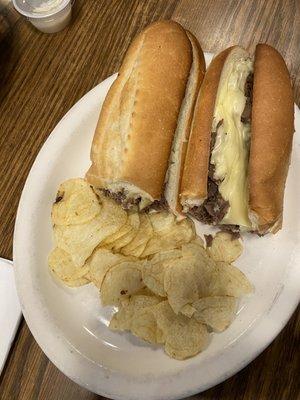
(133, 138)
(272, 128)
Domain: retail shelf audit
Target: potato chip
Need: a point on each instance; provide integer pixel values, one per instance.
(138, 244)
(169, 237)
(181, 283)
(184, 337)
(62, 265)
(165, 255)
(100, 263)
(134, 221)
(137, 251)
(122, 319)
(144, 292)
(88, 276)
(227, 280)
(154, 321)
(76, 203)
(195, 250)
(217, 312)
(122, 241)
(186, 280)
(144, 325)
(188, 310)
(153, 276)
(225, 248)
(168, 287)
(131, 226)
(80, 240)
(153, 271)
(162, 221)
(124, 230)
(121, 281)
(77, 282)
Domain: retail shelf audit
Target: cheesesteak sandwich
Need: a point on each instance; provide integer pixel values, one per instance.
(240, 142)
(140, 141)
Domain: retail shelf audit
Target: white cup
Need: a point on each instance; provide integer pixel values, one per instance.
(47, 16)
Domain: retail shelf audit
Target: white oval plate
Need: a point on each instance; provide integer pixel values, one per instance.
(71, 327)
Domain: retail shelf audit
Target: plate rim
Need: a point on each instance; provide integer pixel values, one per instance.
(131, 387)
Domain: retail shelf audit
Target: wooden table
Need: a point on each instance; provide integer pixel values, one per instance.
(42, 76)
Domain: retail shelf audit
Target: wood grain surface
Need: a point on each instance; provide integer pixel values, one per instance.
(42, 76)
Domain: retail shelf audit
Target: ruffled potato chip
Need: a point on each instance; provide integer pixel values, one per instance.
(168, 287)
(137, 251)
(134, 222)
(186, 280)
(122, 241)
(195, 248)
(188, 310)
(225, 248)
(165, 255)
(144, 325)
(61, 264)
(169, 236)
(153, 276)
(121, 281)
(183, 337)
(122, 319)
(217, 312)
(100, 262)
(80, 240)
(227, 280)
(76, 203)
(138, 244)
(162, 221)
(124, 230)
(181, 283)
(186, 339)
(154, 271)
(77, 282)
(155, 322)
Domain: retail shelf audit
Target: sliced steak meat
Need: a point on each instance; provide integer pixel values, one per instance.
(208, 239)
(213, 141)
(157, 205)
(214, 208)
(249, 86)
(120, 198)
(234, 230)
(246, 115)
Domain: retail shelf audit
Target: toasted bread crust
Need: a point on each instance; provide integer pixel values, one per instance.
(184, 125)
(195, 173)
(133, 139)
(271, 138)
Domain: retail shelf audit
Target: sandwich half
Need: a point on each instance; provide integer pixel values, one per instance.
(134, 136)
(240, 142)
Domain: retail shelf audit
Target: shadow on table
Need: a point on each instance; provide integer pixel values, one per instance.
(6, 46)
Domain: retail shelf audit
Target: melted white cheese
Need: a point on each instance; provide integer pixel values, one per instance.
(231, 151)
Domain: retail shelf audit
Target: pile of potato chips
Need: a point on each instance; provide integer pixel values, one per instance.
(169, 288)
